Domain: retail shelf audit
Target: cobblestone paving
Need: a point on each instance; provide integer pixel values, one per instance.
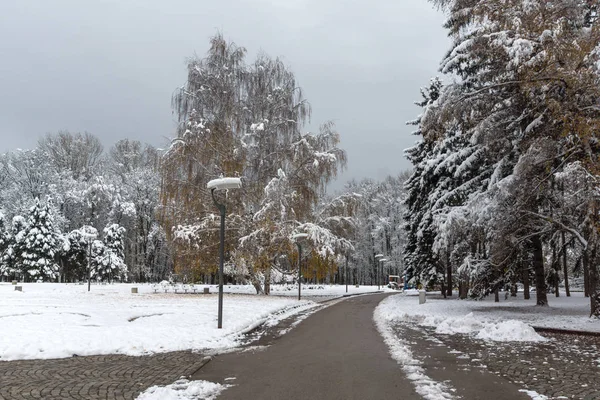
(567, 366)
(96, 377)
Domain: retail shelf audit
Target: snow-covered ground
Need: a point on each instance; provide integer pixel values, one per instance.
(309, 290)
(509, 320)
(50, 320)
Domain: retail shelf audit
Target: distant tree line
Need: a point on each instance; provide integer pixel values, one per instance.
(69, 209)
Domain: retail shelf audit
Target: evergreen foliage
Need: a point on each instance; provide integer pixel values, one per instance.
(39, 245)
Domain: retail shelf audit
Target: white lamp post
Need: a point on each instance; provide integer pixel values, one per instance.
(299, 238)
(89, 233)
(222, 184)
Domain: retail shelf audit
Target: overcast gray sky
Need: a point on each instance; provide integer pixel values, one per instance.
(111, 66)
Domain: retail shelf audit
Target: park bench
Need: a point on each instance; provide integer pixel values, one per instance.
(181, 287)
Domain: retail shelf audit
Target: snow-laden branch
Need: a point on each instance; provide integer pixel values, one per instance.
(580, 238)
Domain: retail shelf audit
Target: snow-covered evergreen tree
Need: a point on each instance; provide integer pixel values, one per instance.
(523, 109)
(73, 256)
(4, 245)
(39, 245)
(113, 257)
(13, 259)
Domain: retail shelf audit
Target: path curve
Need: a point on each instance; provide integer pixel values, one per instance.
(336, 353)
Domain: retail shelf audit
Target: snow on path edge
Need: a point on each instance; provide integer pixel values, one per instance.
(400, 351)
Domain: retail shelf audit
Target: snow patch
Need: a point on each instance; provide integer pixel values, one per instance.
(504, 331)
(184, 389)
(534, 395)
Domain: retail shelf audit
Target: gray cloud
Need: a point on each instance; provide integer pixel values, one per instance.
(111, 66)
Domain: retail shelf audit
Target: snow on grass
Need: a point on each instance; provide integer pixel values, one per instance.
(509, 320)
(49, 320)
(400, 351)
(309, 290)
(183, 390)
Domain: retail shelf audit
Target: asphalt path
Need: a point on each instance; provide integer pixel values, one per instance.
(336, 353)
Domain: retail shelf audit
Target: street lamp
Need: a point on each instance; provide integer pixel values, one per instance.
(299, 238)
(89, 233)
(222, 184)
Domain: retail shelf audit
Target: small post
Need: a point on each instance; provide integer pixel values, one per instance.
(19, 288)
(206, 290)
(422, 294)
(134, 290)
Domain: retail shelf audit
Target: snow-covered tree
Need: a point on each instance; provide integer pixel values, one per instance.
(4, 245)
(13, 257)
(73, 256)
(79, 154)
(243, 120)
(524, 108)
(112, 258)
(39, 245)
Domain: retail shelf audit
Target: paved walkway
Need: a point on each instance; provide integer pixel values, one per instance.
(335, 353)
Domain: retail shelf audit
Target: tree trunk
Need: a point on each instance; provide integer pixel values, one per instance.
(556, 265)
(538, 266)
(449, 274)
(256, 283)
(268, 281)
(496, 296)
(463, 288)
(565, 269)
(594, 285)
(586, 274)
(513, 286)
(526, 295)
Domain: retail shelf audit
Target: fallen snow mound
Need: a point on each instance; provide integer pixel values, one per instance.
(510, 331)
(504, 331)
(182, 390)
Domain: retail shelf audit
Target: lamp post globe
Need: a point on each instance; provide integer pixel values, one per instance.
(222, 184)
